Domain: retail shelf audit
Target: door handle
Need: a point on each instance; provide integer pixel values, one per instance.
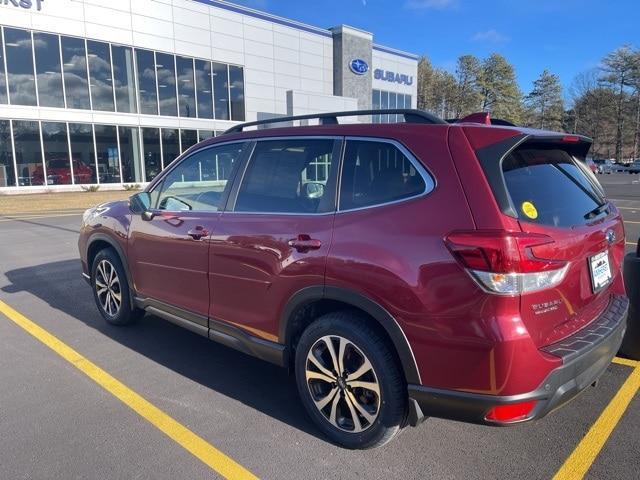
(304, 243)
(198, 233)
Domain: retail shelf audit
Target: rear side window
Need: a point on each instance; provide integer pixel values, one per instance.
(548, 187)
(289, 176)
(376, 172)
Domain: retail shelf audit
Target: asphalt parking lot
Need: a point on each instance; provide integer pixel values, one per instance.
(211, 411)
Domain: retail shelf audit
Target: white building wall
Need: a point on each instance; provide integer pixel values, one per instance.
(397, 64)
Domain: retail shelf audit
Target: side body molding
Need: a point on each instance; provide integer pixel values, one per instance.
(357, 300)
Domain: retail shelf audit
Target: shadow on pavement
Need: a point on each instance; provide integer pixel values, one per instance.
(257, 384)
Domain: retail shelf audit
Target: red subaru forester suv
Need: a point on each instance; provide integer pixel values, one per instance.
(463, 270)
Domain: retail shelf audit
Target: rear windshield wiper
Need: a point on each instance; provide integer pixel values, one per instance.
(596, 211)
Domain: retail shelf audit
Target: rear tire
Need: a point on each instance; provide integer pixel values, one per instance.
(111, 289)
(350, 382)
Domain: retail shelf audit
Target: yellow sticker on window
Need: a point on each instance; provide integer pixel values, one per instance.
(529, 210)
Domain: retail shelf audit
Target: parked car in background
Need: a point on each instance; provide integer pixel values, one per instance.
(59, 173)
(634, 167)
(467, 271)
(592, 165)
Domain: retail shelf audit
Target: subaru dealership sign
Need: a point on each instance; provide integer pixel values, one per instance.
(393, 77)
(26, 4)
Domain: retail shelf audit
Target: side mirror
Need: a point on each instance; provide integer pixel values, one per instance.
(313, 190)
(140, 204)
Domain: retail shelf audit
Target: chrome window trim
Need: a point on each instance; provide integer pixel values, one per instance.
(428, 178)
(232, 208)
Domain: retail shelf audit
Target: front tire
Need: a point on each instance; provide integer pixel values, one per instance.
(111, 289)
(349, 381)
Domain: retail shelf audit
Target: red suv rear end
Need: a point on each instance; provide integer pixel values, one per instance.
(463, 271)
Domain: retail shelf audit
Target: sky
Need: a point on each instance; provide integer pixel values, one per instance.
(566, 37)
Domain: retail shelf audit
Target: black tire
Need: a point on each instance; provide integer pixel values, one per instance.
(365, 344)
(124, 314)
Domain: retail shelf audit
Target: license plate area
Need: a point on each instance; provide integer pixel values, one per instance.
(600, 271)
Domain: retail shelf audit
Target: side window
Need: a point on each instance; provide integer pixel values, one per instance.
(289, 176)
(375, 173)
(199, 181)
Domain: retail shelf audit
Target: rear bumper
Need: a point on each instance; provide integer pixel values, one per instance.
(585, 355)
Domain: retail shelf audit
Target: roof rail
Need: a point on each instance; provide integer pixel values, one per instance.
(410, 116)
(482, 118)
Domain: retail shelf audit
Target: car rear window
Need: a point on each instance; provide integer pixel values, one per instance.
(548, 187)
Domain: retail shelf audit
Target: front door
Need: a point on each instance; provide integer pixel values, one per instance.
(169, 254)
(275, 238)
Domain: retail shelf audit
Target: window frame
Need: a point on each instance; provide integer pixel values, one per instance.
(427, 177)
(338, 152)
(157, 183)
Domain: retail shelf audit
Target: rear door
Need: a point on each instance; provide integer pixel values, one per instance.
(555, 194)
(274, 239)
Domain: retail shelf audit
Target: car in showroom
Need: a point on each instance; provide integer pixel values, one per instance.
(467, 270)
(59, 173)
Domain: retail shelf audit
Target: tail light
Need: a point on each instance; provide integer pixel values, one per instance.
(511, 413)
(503, 262)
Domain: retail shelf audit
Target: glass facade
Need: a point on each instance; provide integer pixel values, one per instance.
(388, 100)
(50, 70)
(61, 153)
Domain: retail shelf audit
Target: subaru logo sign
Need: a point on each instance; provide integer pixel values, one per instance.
(359, 66)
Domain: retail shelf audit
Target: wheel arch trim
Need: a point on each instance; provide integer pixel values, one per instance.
(358, 300)
(97, 237)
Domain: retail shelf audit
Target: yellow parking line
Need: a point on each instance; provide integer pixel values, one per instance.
(626, 362)
(580, 461)
(631, 243)
(180, 434)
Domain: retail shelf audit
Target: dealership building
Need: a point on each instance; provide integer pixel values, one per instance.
(109, 92)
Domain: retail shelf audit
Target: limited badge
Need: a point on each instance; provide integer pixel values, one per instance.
(529, 210)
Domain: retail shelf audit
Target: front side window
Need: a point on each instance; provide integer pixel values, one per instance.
(199, 182)
(289, 176)
(376, 173)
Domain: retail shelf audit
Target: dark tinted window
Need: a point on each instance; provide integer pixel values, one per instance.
(166, 84)
(56, 153)
(375, 173)
(74, 65)
(130, 154)
(283, 176)
(547, 187)
(82, 152)
(236, 86)
(124, 75)
(147, 82)
(188, 139)
(108, 157)
(100, 75)
(151, 151)
(48, 70)
(186, 87)
(221, 90)
(7, 175)
(198, 183)
(170, 145)
(21, 80)
(26, 136)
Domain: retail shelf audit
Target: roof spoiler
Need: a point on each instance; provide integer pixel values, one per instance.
(482, 118)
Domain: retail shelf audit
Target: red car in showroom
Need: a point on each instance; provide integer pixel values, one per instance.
(59, 173)
(465, 270)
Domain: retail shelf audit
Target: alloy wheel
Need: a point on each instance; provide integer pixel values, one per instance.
(343, 384)
(107, 285)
